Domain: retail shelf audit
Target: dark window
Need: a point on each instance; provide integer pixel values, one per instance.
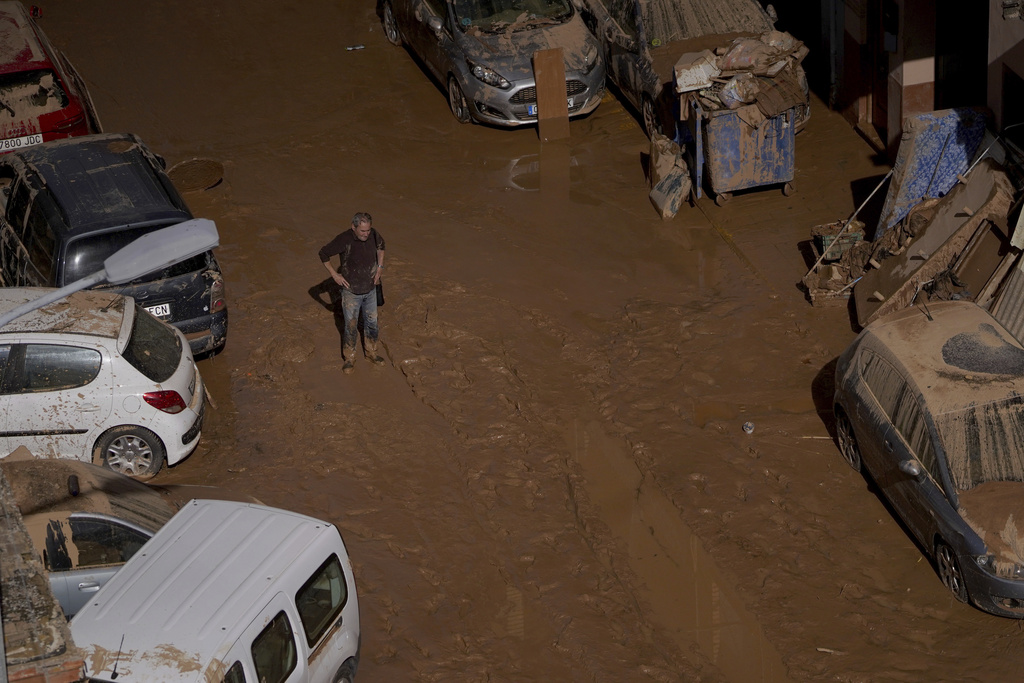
(51, 367)
(234, 674)
(153, 348)
(17, 208)
(911, 425)
(884, 381)
(624, 14)
(320, 600)
(101, 541)
(273, 651)
(40, 243)
(86, 255)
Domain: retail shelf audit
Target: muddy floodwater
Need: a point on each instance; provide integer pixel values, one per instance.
(548, 479)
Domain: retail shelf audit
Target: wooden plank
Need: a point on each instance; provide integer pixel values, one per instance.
(552, 106)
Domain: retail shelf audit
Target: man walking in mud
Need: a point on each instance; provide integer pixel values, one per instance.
(362, 258)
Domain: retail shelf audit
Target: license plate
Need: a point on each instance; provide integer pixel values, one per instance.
(160, 310)
(11, 144)
(531, 109)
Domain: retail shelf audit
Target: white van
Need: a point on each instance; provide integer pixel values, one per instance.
(230, 592)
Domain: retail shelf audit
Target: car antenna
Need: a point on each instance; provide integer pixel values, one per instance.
(924, 303)
(117, 660)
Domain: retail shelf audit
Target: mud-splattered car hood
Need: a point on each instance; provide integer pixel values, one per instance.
(511, 52)
(995, 510)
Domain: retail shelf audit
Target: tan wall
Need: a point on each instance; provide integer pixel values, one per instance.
(1005, 50)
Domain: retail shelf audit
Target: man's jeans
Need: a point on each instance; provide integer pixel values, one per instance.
(351, 305)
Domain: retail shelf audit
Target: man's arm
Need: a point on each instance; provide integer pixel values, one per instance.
(325, 256)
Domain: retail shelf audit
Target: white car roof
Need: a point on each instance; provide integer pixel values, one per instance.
(187, 595)
(90, 312)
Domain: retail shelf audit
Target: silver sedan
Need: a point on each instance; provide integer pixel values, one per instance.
(482, 52)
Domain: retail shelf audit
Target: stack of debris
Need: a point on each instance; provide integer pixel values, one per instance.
(948, 229)
(760, 77)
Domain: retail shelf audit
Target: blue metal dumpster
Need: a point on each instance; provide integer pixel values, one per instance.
(733, 155)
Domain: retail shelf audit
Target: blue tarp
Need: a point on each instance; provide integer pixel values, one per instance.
(934, 149)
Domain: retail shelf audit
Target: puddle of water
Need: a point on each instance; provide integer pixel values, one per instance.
(685, 590)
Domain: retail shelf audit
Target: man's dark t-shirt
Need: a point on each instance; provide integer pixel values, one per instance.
(358, 258)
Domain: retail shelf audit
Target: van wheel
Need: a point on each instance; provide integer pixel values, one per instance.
(347, 672)
(130, 450)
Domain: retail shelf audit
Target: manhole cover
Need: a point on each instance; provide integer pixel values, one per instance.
(196, 174)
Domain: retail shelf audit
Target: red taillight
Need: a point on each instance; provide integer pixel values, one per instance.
(217, 302)
(167, 401)
(65, 126)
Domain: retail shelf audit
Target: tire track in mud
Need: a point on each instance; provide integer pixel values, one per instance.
(509, 401)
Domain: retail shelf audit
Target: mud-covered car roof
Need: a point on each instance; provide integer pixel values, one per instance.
(104, 181)
(91, 312)
(20, 47)
(956, 353)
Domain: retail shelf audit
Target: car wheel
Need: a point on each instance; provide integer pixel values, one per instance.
(134, 451)
(847, 440)
(949, 571)
(650, 117)
(390, 25)
(457, 101)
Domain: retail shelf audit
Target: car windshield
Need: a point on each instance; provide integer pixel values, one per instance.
(984, 442)
(153, 348)
(499, 16)
(86, 255)
(667, 21)
(30, 94)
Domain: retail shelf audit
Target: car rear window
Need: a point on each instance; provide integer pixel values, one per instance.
(153, 348)
(86, 255)
(984, 442)
(30, 94)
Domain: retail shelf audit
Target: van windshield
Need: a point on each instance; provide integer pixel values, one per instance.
(153, 348)
(86, 255)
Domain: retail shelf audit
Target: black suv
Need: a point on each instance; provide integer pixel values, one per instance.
(65, 206)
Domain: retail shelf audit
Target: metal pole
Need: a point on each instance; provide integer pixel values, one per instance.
(48, 298)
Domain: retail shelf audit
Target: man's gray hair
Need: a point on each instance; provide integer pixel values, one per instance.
(361, 217)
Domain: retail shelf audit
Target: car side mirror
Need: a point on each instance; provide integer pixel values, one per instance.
(911, 467)
(435, 25)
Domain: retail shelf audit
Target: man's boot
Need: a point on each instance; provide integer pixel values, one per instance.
(372, 355)
(350, 356)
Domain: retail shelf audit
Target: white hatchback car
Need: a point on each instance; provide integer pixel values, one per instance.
(94, 377)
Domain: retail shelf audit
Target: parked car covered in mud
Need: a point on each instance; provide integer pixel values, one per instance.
(930, 402)
(482, 52)
(66, 206)
(643, 39)
(42, 97)
(85, 521)
(94, 377)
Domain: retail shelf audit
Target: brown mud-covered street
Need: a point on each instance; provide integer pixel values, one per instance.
(548, 479)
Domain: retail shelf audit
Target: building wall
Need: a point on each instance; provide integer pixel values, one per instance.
(1005, 60)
